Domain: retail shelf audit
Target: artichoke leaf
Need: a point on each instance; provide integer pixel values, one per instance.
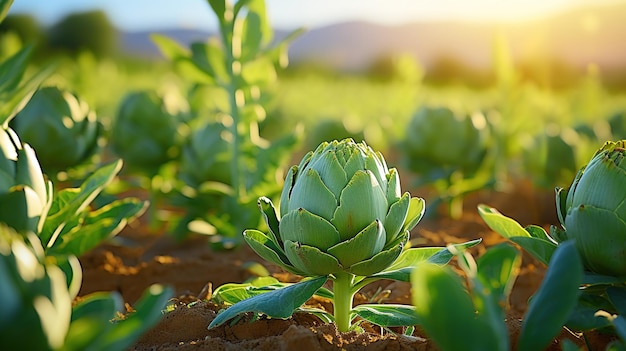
(397, 216)
(269, 215)
(287, 187)
(597, 185)
(308, 229)
(393, 186)
(599, 236)
(561, 200)
(354, 163)
(378, 263)
(364, 245)
(310, 193)
(28, 172)
(331, 172)
(360, 202)
(416, 211)
(311, 260)
(264, 247)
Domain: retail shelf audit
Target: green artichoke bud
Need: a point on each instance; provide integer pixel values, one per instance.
(439, 138)
(592, 210)
(205, 156)
(550, 156)
(341, 209)
(145, 132)
(25, 195)
(60, 127)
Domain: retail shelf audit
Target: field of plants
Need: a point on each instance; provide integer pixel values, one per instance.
(220, 199)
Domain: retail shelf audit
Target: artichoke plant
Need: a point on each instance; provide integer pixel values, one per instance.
(592, 210)
(61, 127)
(441, 139)
(145, 131)
(341, 211)
(448, 150)
(25, 194)
(343, 217)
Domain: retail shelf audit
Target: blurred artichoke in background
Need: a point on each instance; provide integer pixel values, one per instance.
(60, 127)
(341, 210)
(145, 131)
(593, 210)
(205, 155)
(440, 141)
(25, 194)
(549, 158)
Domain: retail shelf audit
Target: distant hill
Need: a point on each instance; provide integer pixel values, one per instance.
(593, 34)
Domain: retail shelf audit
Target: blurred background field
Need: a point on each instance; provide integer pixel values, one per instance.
(534, 89)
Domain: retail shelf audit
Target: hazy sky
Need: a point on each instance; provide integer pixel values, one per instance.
(154, 14)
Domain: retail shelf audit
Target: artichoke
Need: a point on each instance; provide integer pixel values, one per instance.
(25, 194)
(592, 211)
(341, 210)
(60, 127)
(145, 132)
(206, 154)
(439, 138)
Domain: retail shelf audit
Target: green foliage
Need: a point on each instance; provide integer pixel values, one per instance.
(25, 26)
(61, 127)
(260, 295)
(86, 31)
(595, 289)
(15, 90)
(442, 302)
(448, 150)
(39, 292)
(237, 65)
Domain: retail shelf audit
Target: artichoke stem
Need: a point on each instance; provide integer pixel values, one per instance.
(342, 304)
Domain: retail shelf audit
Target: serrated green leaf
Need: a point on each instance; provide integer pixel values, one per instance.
(75, 201)
(276, 304)
(546, 315)
(388, 315)
(98, 226)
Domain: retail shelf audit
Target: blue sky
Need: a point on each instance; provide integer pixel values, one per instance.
(155, 14)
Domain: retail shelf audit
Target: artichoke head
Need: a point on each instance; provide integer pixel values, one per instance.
(592, 210)
(145, 132)
(25, 194)
(341, 209)
(60, 126)
(442, 138)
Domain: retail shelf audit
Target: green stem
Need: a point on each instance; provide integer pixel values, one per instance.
(231, 88)
(342, 304)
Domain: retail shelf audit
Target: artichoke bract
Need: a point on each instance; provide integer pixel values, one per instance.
(60, 126)
(25, 194)
(341, 210)
(592, 210)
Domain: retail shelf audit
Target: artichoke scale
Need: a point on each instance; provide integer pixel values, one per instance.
(366, 244)
(308, 228)
(311, 260)
(361, 201)
(310, 192)
(600, 239)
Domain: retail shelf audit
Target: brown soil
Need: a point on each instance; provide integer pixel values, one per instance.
(141, 258)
